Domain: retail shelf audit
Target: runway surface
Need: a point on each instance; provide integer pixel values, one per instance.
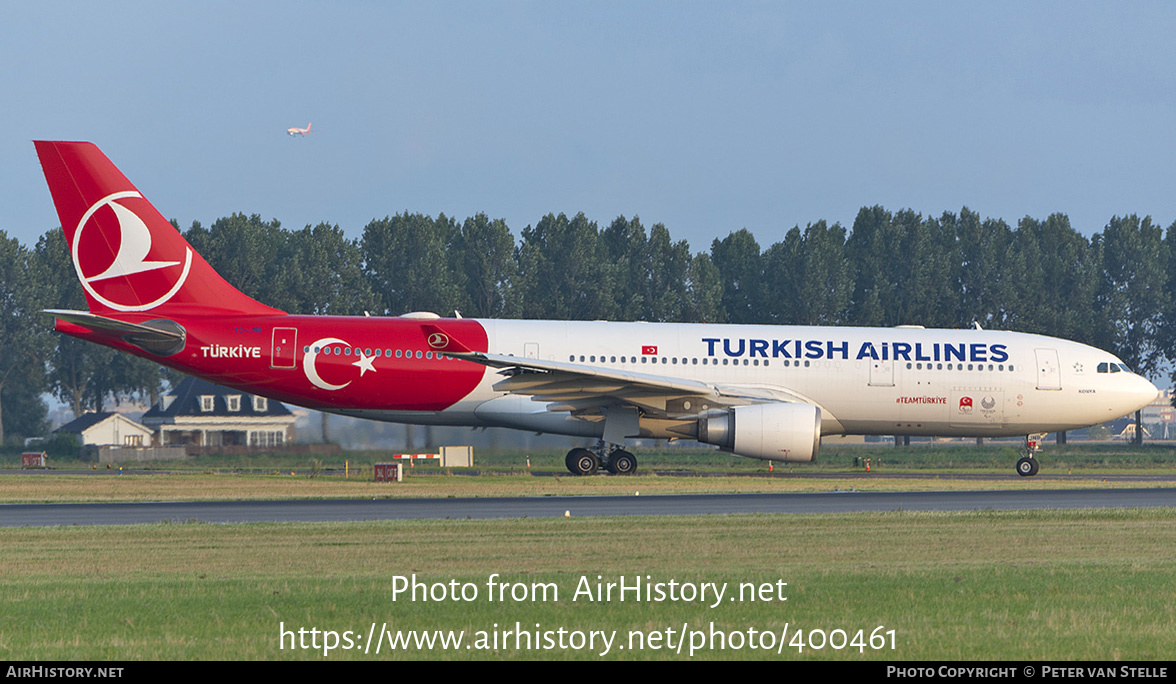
(23, 515)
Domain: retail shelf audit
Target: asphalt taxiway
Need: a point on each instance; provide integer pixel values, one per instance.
(24, 515)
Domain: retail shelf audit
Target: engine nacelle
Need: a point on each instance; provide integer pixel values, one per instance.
(774, 432)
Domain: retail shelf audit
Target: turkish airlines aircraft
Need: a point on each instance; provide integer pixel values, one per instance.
(294, 130)
(762, 392)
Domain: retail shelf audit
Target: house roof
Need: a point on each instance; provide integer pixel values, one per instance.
(88, 420)
(187, 402)
(83, 422)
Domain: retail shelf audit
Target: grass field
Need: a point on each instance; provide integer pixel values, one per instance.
(504, 473)
(1056, 585)
(999, 456)
(985, 585)
(229, 486)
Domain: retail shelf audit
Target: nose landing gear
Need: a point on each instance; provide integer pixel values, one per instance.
(1027, 466)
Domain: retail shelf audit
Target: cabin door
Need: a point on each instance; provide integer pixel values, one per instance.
(882, 373)
(283, 347)
(1049, 376)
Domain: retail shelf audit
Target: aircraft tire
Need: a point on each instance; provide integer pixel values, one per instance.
(1027, 467)
(582, 462)
(621, 462)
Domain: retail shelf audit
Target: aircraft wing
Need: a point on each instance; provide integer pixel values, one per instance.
(584, 389)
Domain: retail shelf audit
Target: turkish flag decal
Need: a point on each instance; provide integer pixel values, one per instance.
(649, 350)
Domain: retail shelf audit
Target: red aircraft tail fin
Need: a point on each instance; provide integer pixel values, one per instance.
(128, 258)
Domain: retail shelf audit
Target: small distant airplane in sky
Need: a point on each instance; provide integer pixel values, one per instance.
(298, 131)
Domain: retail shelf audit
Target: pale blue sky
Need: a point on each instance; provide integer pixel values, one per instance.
(708, 117)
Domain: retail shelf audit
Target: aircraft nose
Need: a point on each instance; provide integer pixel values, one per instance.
(1143, 392)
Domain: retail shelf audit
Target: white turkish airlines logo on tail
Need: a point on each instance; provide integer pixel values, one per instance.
(134, 244)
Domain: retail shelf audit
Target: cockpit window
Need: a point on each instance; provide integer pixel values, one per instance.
(1113, 368)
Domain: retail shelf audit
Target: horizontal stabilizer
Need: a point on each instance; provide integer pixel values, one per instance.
(102, 324)
(161, 337)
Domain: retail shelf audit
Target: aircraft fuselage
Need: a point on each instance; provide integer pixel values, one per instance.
(895, 381)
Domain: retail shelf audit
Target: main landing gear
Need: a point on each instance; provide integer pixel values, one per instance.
(616, 460)
(1027, 466)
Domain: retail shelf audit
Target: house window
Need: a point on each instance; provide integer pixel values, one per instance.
(206, 402)
(234, 402)
(260, 404)
(133, 440)
(265, 439)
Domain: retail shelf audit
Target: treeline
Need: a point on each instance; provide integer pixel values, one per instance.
(1113, 290)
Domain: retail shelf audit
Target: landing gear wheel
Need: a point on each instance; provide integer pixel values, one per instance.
(1027, 467)
(582, 462)
(621, 462)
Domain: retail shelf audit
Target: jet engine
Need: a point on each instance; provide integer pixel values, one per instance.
(774, 432)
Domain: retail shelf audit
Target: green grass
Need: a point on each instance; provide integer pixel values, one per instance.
(1036, 585)
(919, 456)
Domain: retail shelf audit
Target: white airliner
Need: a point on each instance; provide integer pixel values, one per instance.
(294, 130)
(766, 392)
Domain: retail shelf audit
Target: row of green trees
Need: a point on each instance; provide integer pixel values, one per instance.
(1113, 290)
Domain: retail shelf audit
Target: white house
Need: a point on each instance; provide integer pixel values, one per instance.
(200, 414)
(108, 429)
